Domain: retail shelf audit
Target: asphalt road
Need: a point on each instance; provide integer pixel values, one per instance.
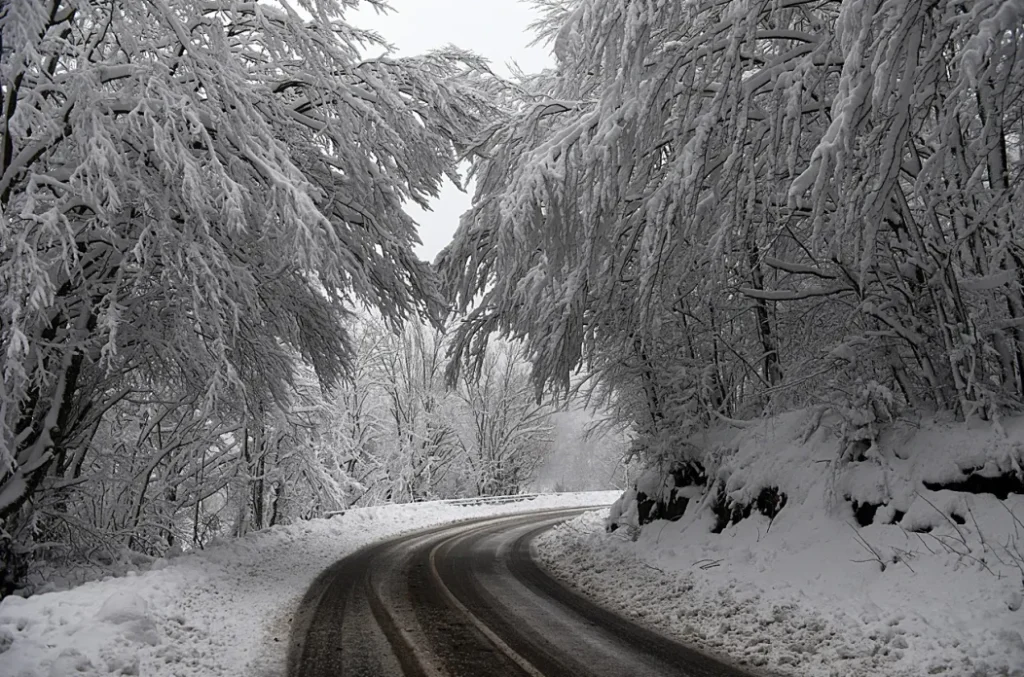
(468, 600)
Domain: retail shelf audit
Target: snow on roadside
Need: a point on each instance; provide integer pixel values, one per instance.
(750, 603)
(932, 586)
(223, 611)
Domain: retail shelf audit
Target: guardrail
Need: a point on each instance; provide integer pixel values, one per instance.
(476, 500)
(490, 500)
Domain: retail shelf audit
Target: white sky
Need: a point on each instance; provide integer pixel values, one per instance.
(495, 29)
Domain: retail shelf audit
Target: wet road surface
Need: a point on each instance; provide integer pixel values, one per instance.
(468, 600)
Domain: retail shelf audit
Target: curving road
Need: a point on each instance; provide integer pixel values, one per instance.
(468, 600)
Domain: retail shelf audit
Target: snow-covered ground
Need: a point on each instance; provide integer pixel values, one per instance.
(223, 611)
(932, 587)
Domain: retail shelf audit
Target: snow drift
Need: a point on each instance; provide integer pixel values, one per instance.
(783, 545)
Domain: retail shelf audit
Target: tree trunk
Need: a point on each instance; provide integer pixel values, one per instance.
(772, 367)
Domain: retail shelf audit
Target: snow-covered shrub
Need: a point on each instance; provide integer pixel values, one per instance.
(864, 415)
(659, 495)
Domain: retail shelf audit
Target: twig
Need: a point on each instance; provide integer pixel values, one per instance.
(651, 566)
(1017, 523)
(923, 542)
(977, 529)
(867, 546)
(707, 563)
(955, 526)
(904, 557)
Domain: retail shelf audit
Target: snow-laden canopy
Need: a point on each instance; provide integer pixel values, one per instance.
(192, 194)
(724, 205)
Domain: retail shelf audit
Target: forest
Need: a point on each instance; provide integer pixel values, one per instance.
(212, 318)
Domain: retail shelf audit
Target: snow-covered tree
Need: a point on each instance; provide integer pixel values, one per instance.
(721, 207)
(416, 443)
(193, 193)
(504, 432)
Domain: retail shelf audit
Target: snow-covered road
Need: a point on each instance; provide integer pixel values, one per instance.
(469, 600)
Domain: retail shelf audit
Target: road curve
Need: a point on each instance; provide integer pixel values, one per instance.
(468, 600)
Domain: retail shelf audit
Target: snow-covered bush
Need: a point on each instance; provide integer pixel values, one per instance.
(864, 415)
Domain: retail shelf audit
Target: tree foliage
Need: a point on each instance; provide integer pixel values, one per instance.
(193, 195)
(720, 207)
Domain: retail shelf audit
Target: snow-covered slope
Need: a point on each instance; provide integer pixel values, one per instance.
(224, 611)
(894, 562)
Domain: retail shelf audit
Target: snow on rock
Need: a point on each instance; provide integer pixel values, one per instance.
(223, 611)
(932, 584)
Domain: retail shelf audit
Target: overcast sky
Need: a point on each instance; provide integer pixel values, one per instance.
(495, 29)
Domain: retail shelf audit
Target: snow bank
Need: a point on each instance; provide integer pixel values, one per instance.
(932, 584)
(223, 611)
